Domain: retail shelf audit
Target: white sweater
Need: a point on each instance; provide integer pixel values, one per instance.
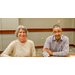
(19, 49)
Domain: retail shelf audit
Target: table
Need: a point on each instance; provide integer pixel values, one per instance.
(58, 56)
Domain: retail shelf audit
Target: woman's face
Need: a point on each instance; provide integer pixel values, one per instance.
(21, 34)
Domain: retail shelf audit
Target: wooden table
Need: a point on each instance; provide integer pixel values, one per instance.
(58, 56)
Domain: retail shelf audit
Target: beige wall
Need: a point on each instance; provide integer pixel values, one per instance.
(7, 39)
(74, 33)
(46, 23)
(7, 24)
(0, 36)
(0, 42)
(0, 24)
(39, 38)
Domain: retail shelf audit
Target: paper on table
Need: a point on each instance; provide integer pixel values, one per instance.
(72, 55)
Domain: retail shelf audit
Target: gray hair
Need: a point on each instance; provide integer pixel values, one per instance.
(20, 27)
(56, 25)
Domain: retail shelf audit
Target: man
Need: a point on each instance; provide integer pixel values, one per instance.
(57, 44)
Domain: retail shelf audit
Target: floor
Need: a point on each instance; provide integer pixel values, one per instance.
(39, 51)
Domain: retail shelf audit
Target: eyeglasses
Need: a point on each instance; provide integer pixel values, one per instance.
(57, 32)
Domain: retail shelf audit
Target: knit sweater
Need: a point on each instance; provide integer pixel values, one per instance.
(19, 49)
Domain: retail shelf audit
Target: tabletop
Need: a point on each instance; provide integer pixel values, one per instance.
(59, 56)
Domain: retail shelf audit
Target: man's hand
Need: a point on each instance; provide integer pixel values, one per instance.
(49, 51)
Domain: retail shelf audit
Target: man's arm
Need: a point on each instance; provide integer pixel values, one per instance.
(46, 45)
(49, 51)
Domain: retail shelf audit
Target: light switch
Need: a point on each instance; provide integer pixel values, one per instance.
(58, 21)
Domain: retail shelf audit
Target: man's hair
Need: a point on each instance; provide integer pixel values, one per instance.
(56, 25)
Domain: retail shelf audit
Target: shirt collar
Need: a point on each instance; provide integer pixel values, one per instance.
(60, 38)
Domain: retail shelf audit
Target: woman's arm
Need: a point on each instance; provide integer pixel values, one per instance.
(8, 50)
(33, 49)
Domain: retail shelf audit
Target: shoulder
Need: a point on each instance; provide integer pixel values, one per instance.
(30, 41)
(12, 43)
(15, 41)
(50, 37)
(64, 37)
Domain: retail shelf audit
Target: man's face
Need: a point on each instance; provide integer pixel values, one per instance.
(57, 31)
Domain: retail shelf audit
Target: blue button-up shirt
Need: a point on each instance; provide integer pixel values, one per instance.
(60, 48)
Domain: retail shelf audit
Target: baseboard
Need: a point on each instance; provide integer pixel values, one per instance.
(1, 52)
(38, 47)
(72, 45)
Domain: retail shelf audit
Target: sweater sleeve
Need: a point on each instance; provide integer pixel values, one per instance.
(8, 50)
(33, 51)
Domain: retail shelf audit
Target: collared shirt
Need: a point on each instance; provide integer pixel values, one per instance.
(60, 48)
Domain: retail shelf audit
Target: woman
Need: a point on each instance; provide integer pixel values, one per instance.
(21, 47)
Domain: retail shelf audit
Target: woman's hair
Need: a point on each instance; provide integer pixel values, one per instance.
(20, 27)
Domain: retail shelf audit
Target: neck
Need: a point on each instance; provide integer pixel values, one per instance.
(23, 41)
(57, 40)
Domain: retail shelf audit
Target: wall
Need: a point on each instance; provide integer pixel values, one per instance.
(74, 33)
(39, 38)
(0, 36)
(46, 23)
(7, 24)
